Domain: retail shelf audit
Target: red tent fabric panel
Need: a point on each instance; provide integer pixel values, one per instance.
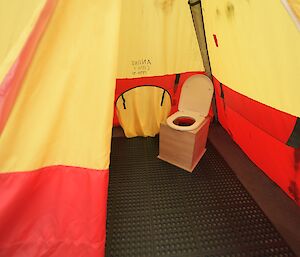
(274, 122)
(54, 211)
(264, 143)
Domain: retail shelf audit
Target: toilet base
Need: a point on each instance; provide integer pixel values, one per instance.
(180, 165)
(183, 149)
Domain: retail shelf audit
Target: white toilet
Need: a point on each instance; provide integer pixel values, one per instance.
(194, 104)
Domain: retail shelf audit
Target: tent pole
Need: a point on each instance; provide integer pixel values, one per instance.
(197, 15)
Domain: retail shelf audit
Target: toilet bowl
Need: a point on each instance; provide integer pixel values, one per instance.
(194, 104)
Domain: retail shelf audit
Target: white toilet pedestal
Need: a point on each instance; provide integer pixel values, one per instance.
(183, 149)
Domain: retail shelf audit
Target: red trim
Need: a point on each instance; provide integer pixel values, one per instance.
(54, 211)
(279, 161)
(166, 82)
(274, 122)
(10, 86)
(216, 40)
(262, 132)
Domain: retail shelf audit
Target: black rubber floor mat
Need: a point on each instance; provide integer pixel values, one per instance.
(157, 209)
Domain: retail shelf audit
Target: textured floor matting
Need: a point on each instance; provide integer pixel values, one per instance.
(156, 209)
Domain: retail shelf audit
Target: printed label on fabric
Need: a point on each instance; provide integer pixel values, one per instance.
(141, 67)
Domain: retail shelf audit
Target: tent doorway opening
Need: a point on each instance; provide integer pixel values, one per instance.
(142, 109)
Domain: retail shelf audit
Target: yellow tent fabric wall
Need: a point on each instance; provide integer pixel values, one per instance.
(293, 7)
(146, 108)
(54, 149)
(257, 55)
(160, 31)
(17, 20)
(157, 38)
(65, 88)
(19, 38)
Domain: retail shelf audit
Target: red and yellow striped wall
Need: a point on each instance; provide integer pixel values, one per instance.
(55, 142)
(158, 51)
(59, 61)
(59, 64)
(142, 104)
(263, 133)
(255, 59)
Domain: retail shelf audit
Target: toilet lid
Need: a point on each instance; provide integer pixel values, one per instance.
(196, 95)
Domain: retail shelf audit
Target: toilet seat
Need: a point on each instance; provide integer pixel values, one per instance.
(194, 102)
(198, 120)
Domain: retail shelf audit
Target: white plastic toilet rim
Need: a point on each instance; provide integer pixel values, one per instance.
(198, 120)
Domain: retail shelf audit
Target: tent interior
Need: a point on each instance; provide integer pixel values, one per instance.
(85, 88)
